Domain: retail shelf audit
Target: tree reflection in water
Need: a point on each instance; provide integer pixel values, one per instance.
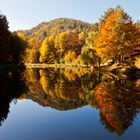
(11, 88)
(117, 98)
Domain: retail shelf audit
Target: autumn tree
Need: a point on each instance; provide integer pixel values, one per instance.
(32, 50)
(47, 50)
(117, 36)
(70, 57)
(21, 35)
(88, 52)
(67, 41)
(137, 62)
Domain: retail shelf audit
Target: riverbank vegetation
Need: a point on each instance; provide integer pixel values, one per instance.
(115, 39)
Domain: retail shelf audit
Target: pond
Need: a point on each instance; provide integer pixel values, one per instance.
(69, 104)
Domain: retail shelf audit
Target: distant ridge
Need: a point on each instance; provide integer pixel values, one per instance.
(58, 25)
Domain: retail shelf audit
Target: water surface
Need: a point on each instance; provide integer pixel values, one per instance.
(72, 104)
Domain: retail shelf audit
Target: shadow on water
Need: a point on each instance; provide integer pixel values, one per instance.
(11, 88)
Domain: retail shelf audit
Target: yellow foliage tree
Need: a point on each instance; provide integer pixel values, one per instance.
(70, 57)
(21, 36)
(47, 50)
(65, 42)
(137, 62)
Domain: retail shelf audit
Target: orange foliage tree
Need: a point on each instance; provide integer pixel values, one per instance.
(117, 36)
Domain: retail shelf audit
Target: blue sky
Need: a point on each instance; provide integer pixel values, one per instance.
(25, 14)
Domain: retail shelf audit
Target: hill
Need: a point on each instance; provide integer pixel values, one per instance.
(58, 25)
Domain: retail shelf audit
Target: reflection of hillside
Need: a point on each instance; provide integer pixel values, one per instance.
(59, 104)
(54, 89)
(117, 99)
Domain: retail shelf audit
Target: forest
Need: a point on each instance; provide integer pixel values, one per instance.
(115, 39)
(113, 42)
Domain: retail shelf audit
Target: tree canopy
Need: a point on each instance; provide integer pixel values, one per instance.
(114, 39)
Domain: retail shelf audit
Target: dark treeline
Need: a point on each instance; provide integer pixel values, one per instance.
(11, 88)
(11, 46)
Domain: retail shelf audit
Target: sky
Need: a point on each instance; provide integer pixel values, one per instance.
(25, 14)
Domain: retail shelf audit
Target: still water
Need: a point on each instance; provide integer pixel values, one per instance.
(69, 104)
